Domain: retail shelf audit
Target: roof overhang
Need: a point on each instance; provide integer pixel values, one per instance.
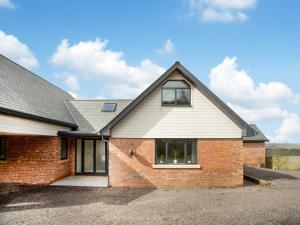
(255, 139)
(38, 118)
(78, 134)
(257, 136)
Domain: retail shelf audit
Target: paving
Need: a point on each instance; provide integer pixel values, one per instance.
(83, 181)
(269, 175)
(278, 203)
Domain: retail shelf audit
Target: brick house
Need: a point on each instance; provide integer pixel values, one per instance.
(177, 133)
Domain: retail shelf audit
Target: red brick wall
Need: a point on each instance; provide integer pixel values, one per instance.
(35, 160)
(220, 160)
(254, 154)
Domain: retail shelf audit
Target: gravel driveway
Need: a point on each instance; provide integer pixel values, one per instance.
(278, 203)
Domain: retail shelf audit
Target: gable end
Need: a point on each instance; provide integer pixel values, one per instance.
(246, 130)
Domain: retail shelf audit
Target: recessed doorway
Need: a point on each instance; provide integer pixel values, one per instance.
(91, 157)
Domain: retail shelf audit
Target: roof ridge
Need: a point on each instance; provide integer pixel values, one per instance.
(83, 100)
(43, 79)
(70, 111)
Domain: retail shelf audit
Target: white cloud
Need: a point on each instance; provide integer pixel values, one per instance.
(263, 102)
(221, 10)
(7, 4)
(168, 47)
(123, 90)
(230, 4)
(259, 114)
(92, 60)
(237, 85)
(72, 83)
(74, 94)
(17, 51)
(100, 97)
(212, 15)
(289, 129)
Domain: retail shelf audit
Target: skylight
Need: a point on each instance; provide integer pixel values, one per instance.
(109, 107)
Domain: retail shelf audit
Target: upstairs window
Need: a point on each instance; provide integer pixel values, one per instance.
(2, 148)
(176, 92)
(109, 107)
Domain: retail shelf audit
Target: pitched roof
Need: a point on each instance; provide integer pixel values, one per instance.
(89, 117)
(247, 130)
(258, 135)
(22, 93)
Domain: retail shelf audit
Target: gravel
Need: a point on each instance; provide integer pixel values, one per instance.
(278, 203)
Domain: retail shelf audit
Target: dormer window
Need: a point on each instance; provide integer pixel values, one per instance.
(176, 92)
(109, 107)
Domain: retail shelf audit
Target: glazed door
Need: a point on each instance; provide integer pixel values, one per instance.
(91, 157)
(100, 157)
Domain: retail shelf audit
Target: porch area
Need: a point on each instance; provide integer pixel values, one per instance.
(83, 181)
(35, 160)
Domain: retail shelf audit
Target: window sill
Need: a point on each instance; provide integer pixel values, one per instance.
(174, 105)
(164, 166)
(3, 161)
(64, 161)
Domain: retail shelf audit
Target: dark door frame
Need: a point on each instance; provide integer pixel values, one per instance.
(94, 157)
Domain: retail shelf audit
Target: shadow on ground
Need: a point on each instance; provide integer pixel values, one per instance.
(247, 183)
(56, 196)
(268, 174)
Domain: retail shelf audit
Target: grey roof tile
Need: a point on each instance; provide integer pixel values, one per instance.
(22, 91)
(88, 115)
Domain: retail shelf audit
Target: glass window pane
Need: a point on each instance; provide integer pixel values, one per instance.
(175, 84)
(160, 151)
(175, 151)
(179, 151)
(2, 147)
(191, 152)
(64, 148)
(183, 96)
(168, 96)
(109, 107)
(78, 155)
(88, 156)
(100, 156)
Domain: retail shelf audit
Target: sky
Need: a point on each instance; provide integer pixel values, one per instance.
(245, 51)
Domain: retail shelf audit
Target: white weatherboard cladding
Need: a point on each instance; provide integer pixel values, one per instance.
(19, 125)
(151, 120)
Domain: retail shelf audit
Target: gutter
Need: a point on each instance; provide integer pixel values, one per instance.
(77, 134)
(247, 140)
(35, 117)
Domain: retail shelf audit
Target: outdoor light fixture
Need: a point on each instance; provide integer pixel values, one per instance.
(131, 152)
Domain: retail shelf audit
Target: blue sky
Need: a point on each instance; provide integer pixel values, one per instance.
(246, 51)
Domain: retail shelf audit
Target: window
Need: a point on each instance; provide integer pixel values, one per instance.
(109, 107)
(176, 92)
(64, 148)
(2, 148)
(176, 151)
